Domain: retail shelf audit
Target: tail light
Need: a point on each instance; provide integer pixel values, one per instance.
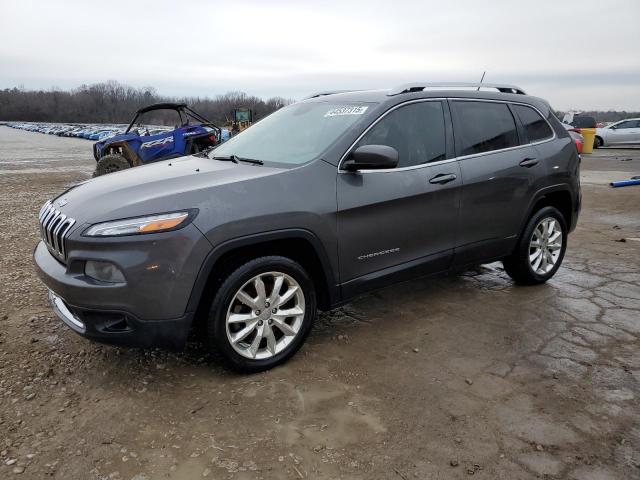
(579, 145)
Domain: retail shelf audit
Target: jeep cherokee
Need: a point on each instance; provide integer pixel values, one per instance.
(323, 200)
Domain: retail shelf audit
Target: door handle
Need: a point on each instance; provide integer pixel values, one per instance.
(529, 162)
(443, 178)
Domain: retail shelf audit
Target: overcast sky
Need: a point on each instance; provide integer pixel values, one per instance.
(576, 54)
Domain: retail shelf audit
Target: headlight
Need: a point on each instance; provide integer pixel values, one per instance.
(133, 226)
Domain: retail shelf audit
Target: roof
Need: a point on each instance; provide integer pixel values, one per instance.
(162, 106)
(421, 86)
(419, 90)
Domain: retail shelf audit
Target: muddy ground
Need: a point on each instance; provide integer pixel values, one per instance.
(438, 378)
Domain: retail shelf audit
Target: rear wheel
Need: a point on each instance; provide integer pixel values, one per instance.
(262, 313)
(540, 249)
(111, 163)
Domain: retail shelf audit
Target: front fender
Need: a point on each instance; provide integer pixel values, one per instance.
(295, 233)
(125, 148)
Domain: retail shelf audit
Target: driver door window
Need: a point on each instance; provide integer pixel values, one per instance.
(416, 131)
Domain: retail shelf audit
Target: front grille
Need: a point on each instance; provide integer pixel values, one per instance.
(54, 227)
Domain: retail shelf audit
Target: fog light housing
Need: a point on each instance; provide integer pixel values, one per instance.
(103, 271)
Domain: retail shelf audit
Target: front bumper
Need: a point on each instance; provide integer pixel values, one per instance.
(149, 308)
(67, 316)
(120, 328)
(159, 269)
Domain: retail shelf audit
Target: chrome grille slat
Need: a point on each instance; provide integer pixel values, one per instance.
(57, 243)
(54, 228)
(43, 210)
(45, 221)
(70, 224)
(49, 227)
(46, 218)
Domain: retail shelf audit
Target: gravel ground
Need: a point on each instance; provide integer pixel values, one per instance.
(437, 378)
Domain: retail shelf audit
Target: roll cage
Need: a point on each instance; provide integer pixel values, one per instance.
(183, 111)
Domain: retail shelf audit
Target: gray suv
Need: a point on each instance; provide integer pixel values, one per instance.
(323, 200)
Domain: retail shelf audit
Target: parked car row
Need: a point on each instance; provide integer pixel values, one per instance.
(95, 132)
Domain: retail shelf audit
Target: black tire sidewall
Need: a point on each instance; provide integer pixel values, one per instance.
(523, 251)
(115, 160)
(216, 323)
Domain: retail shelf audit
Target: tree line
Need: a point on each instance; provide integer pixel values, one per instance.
(112, 102)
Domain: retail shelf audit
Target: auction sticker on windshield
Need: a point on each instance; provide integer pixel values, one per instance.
(334, 112)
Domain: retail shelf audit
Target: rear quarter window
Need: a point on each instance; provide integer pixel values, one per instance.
(536, 127)
(483, 127)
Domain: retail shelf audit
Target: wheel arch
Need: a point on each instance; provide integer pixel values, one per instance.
(124, 149)
(298, 244)
(558, 196)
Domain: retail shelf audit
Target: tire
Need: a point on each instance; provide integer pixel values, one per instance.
(111, 163)
(597, 142)
(525, 269)
(229, 317)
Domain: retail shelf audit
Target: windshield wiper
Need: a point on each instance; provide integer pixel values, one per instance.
(205, 153)
(236, 159)
(253, 161)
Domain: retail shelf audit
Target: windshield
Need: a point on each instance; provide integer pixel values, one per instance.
(294, 134)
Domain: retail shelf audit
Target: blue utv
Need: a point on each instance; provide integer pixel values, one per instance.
(141, 144)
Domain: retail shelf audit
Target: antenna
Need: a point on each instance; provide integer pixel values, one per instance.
(481, 79)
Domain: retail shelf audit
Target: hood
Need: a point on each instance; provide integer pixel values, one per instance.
(170, 185)
(120, 137)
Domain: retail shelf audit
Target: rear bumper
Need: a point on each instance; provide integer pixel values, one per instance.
(577, 207)
(121, 328)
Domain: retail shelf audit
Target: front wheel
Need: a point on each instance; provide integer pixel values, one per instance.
(111, 163)
(262, 313)
(540, 249)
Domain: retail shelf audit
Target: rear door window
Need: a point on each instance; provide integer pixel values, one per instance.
(484, 126)
(416, 131)
(536, 127)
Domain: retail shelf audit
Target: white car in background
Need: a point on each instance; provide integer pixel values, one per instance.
(622, 132)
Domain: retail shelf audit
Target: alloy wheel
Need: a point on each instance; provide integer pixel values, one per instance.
(265, 315)
(545, 245)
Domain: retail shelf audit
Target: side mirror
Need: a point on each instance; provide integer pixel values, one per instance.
(369, 157)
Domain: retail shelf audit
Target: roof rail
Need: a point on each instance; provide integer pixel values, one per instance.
(328, 92)
(420, 86)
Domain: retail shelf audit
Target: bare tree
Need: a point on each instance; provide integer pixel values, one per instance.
(112, 102)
